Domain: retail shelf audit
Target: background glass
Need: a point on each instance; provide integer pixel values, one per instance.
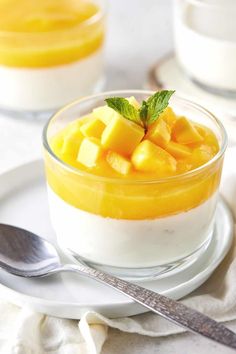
(205, 42)
(42, 71)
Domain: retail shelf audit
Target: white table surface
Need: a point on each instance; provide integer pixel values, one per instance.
(140, 32)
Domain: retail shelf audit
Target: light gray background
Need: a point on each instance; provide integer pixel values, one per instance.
(139, 32)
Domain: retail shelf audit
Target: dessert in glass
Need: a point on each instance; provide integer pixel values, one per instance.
(51, 52)
(132, 181)
(205, 43)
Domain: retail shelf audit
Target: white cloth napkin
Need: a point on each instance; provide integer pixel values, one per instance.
(25, 332)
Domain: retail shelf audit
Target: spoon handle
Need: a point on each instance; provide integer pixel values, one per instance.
(170, 309)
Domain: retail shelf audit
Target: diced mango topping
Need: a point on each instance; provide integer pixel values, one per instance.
(177, 150)
(149, 157)
(169, 116)
(159, 133)
(119, 163)
(57, 142)
(106, 144)
(184, 132)
(209, 137)
(71, 144)
(89, 152)
(122, 136)
(132, 100)
(201, 155)
(105, 114)
(94, 128)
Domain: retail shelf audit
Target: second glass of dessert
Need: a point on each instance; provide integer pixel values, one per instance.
(133, 181)
(51, 52)
(205, 43)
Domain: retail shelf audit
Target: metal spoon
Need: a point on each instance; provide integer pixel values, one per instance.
(25, 254)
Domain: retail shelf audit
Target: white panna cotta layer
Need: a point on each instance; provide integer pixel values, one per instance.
(131, 243)
(42, 89)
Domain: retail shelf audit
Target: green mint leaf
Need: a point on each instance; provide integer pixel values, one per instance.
(149, 111)
(123, 107)
(143, 113)
(156, 104)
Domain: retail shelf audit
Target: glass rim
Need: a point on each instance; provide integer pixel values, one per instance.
(207, 4)
(89, 21)
(121, 181)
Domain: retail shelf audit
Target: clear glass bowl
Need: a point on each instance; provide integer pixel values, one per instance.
(42, 71)
(133, 228)
(205, 43)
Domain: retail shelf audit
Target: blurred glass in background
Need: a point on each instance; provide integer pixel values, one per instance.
(205, 42)
(51, 52)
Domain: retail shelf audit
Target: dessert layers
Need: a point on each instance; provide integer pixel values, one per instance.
(133, 182)
(50, 52)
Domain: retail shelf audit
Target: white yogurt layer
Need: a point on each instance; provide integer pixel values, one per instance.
(42, 89)
(205, 39)
(131, 243)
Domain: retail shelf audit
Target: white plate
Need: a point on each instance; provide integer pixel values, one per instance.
(23, 203)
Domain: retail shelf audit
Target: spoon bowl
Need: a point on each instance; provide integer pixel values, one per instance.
(24, 254)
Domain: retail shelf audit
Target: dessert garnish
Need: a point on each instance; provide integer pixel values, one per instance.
(149, 111)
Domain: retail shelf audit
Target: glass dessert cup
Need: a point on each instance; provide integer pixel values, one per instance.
(42, 69)
(205, 43)
(133, 228)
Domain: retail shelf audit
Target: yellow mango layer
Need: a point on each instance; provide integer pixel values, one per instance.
(133, 166)
(45, 33)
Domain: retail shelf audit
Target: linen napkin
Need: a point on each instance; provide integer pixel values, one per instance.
(25, 332)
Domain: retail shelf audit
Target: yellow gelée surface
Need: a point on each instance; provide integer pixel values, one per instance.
(47, 32)
(139, 191)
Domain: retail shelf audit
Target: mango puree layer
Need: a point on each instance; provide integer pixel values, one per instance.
(46, 33)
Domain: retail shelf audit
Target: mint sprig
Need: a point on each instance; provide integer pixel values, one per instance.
(122, 106)
(149, 111)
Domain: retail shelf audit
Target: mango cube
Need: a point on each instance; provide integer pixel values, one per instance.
(132, 100)
(201, 155)
(105, 114)
(90, 151)
(93, 128)
(168, 116)
(184, 132)
(178, 150)
(209, 137)
(122, 136)
(159, 133)
(56, 143)
(72, 141)
(118, 163)
(149, 157)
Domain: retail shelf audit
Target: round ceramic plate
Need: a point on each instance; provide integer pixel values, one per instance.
(167, 74)
(23, 202)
